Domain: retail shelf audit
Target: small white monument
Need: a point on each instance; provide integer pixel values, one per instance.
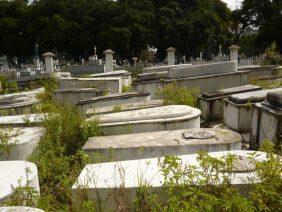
(170, 56)
(109, 60)
(49, 62)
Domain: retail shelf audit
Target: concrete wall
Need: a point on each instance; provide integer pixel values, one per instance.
(114, 84)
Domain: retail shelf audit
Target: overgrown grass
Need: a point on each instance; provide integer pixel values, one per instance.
(172, 94)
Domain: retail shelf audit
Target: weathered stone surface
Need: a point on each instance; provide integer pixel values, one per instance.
(124, 107)
(163, 68)
(275, 98)
(114, 99)
(19, 209)
(22, 120)
(160, 144)
(250, 97)
(154, 75)
(108, 180)
(21, 143)
(19, 101)
(151, 119)
(14, 174)
(200, 70)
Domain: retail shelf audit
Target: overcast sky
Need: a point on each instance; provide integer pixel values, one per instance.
(231, 3)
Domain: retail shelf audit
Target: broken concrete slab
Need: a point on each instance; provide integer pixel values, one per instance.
(73, 96)
(160, 144)
(123, 107)
(275, 98)
(238, 110)
(104, 182)
(15, 174)
(19, 103)
(211, 104)
(20, 142)
(114, 99)
(163, 118)
(113, 84)
(19, 209)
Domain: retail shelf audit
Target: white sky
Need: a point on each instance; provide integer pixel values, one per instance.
(232, 4)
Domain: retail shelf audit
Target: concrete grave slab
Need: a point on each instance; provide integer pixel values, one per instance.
(19, 209)
(72, 96)
(106, 180)
(163, 118)
(22, 120)
(114, 99)
(238, 109)
(125, 75)
(155, 69)
(21, 142)
(160, 144)
(200, 70)
(211, 104)
(113, 84)
(14, 174)
(123, 107)
(19, 103)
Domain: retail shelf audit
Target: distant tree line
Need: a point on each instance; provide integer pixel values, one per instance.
(71, 28)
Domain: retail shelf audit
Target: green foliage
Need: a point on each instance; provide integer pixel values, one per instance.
(7, 87)
(174, 94)
(126, 88)
(6, 145)
(116, 109)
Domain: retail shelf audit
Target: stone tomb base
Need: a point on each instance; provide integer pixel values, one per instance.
(15, 174)
(160, 144)
(19, 209)
(163, 118)
(110, 181)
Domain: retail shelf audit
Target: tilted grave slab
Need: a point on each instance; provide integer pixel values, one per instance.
(123, 107)
(163, 118)
(73, 96)
(19, 209)
(114, 100)
(125, 75)
(238, 109)
(211, 104)
(15, 174)
(19, 103)
(112, 84)
(106, 183)
(26, 120)
(165, 68)
(160, 144)
(19, 142)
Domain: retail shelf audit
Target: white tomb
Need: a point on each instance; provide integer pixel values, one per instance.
(106, 181)
(160, 144)
(163, 118)
(21, 142)
(15, 174)
(22, 120)
(19, 209)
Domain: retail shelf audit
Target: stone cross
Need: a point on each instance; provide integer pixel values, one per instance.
(234, 52)
(170, 56)
(109, 60)
(49, 62)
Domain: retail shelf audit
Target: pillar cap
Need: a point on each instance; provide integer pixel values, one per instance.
(109, 51)
(170, 49)
(233, 47)
(48, 54)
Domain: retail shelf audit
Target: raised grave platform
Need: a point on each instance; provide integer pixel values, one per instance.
(160, 144)
(21, 142)
(211, 104)
(109, 182)
(238, 109)
(114, 100)
(14, 174)
(19, 209)
(163, 118)
(19, 103)
(22, 120)
(111, 84)
(123, 107)
(72, 96)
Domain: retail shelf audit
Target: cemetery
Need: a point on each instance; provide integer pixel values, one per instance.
(178, 108)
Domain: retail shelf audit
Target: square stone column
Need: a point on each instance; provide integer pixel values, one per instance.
(170, 56)
(109, 60)
(234, 52)
(49, 62)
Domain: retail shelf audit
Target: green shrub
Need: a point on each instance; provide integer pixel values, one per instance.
(174, 94)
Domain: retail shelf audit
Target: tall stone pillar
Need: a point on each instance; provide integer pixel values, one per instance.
(49, 62)
(234, 52)
(170, 56)
(109, 60)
